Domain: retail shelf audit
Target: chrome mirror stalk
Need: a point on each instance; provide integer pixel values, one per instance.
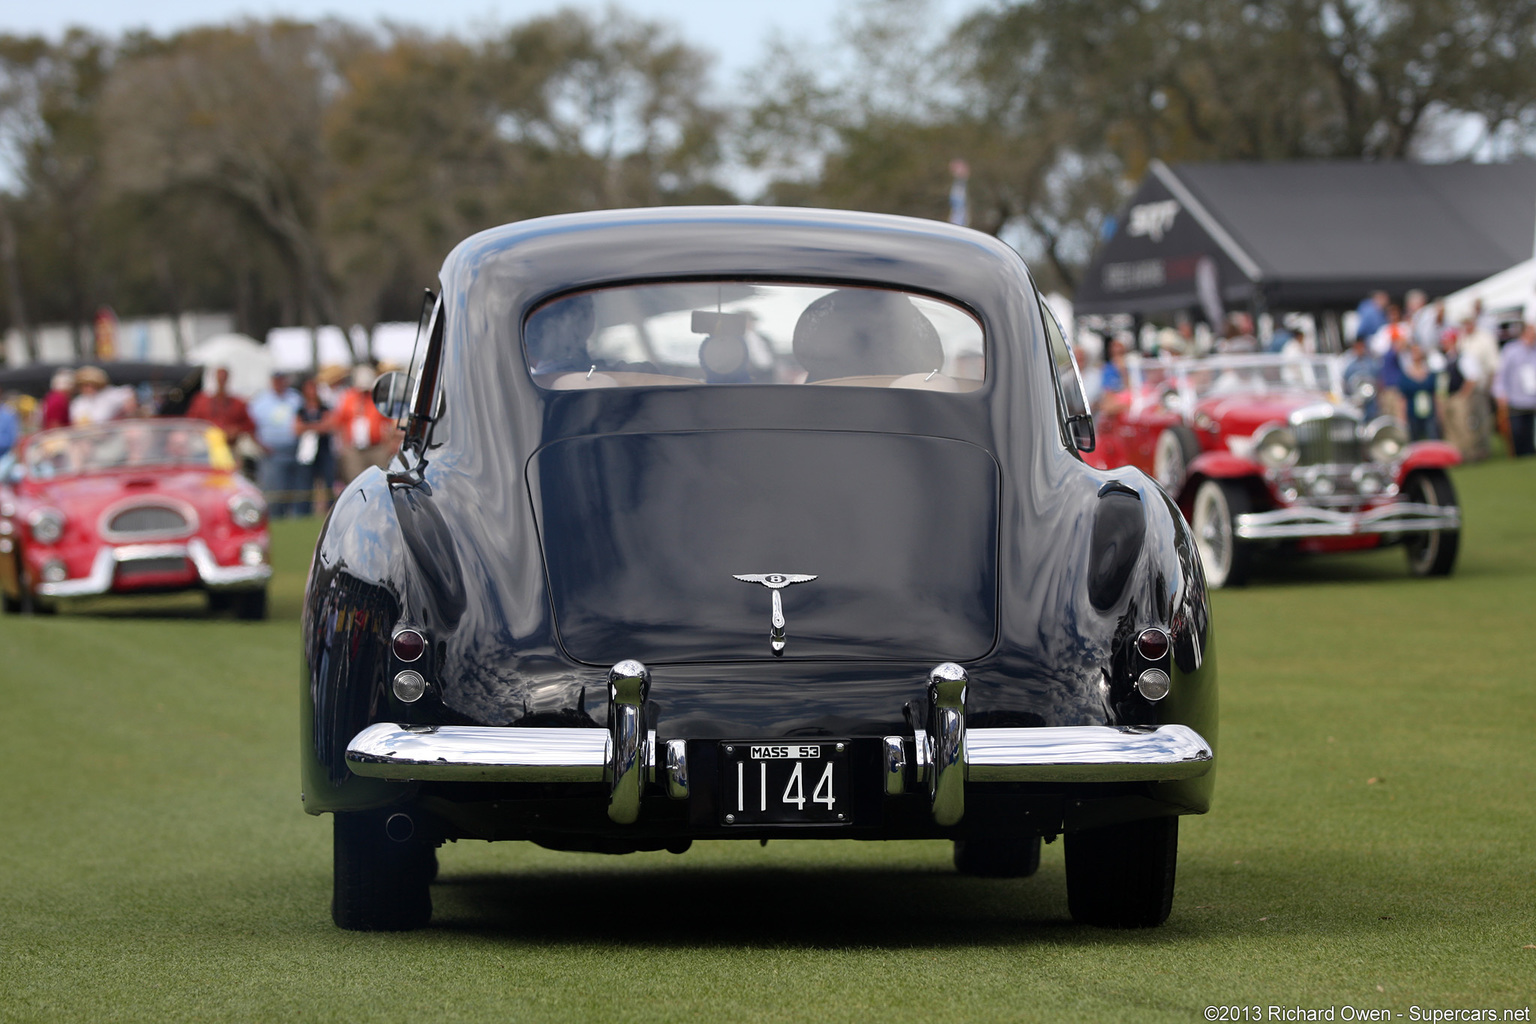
(628, 683)
(946, 741)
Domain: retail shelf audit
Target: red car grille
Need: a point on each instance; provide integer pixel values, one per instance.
(1334, 441)
(147, 520)
(151, 566)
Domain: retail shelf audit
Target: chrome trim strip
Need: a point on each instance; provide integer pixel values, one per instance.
(946, 716)
(895, 766)
(473, 753)
(104, 567)
(218, 577)
(628, 682)
(1086, 753)
(1306, 521)
(97, 581)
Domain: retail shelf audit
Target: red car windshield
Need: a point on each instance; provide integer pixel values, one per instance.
(124, 445)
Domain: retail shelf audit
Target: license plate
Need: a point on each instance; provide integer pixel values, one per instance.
(785, 783)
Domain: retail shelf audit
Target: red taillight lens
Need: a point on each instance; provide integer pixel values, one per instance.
(409, 645)
(1153, 644)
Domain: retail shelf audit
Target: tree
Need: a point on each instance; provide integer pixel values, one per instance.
(235, 114)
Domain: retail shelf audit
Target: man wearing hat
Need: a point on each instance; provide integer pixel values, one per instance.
(98, 401)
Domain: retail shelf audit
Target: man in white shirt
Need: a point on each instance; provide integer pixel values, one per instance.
(98, 401)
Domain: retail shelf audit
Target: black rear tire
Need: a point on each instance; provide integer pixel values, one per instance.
(998, 856)
(1121, 876)
(1431, 554)
(379, 884)
(251, 605)
(27, 601)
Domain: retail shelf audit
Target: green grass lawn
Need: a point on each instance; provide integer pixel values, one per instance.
(1373, 841)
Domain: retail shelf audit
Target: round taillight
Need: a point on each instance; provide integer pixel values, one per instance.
(409, 686)
(1153, 644)
(409, 645)
(1153, 684)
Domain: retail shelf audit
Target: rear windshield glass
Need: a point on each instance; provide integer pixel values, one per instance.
(740, 332)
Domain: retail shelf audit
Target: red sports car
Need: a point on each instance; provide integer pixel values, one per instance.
(129, 507)
(1267, 451)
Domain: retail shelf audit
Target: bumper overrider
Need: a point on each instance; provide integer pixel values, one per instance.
(1302, 521)
(947, 754)
(211, 574)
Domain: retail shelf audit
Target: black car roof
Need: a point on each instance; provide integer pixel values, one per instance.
(494, 279)
(554, 254)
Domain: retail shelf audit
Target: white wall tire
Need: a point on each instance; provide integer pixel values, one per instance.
(1217, 505)
(1431, 554)
(1176, 449)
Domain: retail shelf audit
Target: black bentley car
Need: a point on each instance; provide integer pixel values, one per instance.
(741, 523)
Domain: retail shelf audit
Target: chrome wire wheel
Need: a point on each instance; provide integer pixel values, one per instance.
(1217, 505)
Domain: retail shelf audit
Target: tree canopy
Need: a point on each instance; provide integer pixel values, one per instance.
(300, 172)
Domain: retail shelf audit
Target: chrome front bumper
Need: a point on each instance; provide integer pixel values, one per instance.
(947, 754)
(213, 575)
(1302, 521)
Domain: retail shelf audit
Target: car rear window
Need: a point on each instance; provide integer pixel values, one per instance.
(743, 332)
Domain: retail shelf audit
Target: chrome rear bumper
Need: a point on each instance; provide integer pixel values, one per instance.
(458, 753)
(212, 575)
(1302, 521)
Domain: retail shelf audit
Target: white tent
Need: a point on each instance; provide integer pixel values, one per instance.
(292, 348)
(1508, 291)
(248, 361)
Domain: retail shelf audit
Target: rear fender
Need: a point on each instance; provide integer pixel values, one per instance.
(1427, 455)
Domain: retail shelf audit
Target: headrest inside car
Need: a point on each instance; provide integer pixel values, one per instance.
(861, 331)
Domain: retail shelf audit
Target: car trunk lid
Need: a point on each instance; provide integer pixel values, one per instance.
(645, 534)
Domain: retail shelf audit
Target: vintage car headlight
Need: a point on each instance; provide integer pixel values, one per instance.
(1368, 482)
(1275, 447)
(246, 511)
(1386, 440)
(47, 525)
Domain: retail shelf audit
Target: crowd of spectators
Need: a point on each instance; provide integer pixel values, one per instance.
(1441, 379)
(301, 444)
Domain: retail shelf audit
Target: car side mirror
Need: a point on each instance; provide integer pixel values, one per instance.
(392, 395)
(1084, 439)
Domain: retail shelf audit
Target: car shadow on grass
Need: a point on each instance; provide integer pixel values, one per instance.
(1276, 569)
(810, 908)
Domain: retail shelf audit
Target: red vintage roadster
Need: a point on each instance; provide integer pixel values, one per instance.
(129, 507)
(1267, 451)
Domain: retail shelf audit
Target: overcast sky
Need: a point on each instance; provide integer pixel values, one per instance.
(733, 30)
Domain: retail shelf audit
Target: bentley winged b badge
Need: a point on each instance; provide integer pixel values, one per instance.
(775, 581)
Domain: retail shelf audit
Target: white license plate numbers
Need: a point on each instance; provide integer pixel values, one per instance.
(783, 783)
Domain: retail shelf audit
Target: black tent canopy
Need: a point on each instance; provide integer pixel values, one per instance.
(1308, 235)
